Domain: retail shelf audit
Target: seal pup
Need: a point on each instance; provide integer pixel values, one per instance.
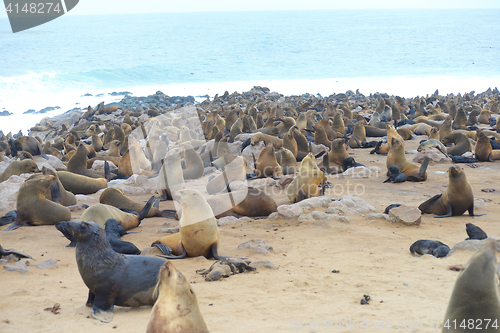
(33, 208)
(112, 278)
(475, 294)
(176, 309)
(394, 175)
(114, 232)
(483, 150)
(455, 200)
(198, 232)
(18, 168)
(474, 232)
(435, 248)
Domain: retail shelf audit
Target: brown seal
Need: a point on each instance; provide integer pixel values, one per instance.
(115, 197)
(78, 164)
(176, 309)
(483, 149)
(455, 200)
(267, 165)
(396, 156)
(475, 297)
(78, 184)
(287, 161)
(320, 137)
(198, 232)
(61, 195)
(306, 183)
(337, 155)
(34, 208)
(100, 213)
(112, 278)
(29, 144)
(18, 168)
(268, 139)
(193, 162)
(460, 141)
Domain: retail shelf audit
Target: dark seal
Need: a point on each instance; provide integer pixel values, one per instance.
(436, 248)
(114, 232)
(112, 278)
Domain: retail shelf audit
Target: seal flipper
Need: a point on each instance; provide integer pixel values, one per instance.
(428, 203)
(182, 256)
(471, 211)
(16, 225)
(90, 300)
(423, 167)
(40, 150)
(107, 171)
(215, 253)
(144, 212)
(102, 309)
(55, 192)
(168, 213)
(8, 218)
(449, 211)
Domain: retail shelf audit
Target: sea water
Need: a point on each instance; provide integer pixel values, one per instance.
(401, 52)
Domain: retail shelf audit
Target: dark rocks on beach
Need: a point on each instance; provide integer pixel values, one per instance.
(99, 95)
(123, 93)
(44, 110)
(86, 95)
(158, 100)
(5, 113)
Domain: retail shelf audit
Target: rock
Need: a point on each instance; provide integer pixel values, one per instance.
(362, 172)
(256, 245)
(284, 181)
(337, 207)
(19, 266)
(357, 204)
(263, 264)
(305, 218)
(435, 156)
(99, 165)
(317, 215)
(5, 113)
(76, 207)
(406, 215)
(376, 216)
(342, 218)
(479, 204)
(262, 183)
(114, 93)
(227, 220)
(247, 152)
(52, 163)
(49, 263)
(273, 216)
(475, 244)
(290, 211)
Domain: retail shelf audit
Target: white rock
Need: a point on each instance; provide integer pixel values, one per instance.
(99, 165)
(377, 216)
(274, 216)
(256, 245)
(358, 204)
(289, 211)
(317, 215)
(314, 202)
(337, 207)
(52, 163)
(262, 182)
(479, 204)
(305, 218)
(227, 220)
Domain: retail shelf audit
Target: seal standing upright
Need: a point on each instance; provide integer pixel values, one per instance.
(112, 278)
(475, 296)
(176, 309)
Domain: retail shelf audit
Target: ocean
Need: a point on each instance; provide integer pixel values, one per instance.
(402, 52)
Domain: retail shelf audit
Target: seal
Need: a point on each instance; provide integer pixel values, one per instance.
(62, 196)
(176, 309)
(338, 154)
(267, 165)
(306, 183)
(358, 136)
(27, 143)
(33, 208)
(112, 278)
(474, 232)
(268, 139)
(194, 163)
(394, 175)
(396, 156)
(198, 232)
(100, 213)
(435, 248)
(18, 255)
(78, 184)
(78, 164)
(287, 161)
(170, 177)
(475, 295)
(235, 170)
(483, 150)
(460, 141)
(114, 232)
(455, 200)
(18, 168)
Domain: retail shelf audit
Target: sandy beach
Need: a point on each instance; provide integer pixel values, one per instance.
(324, 267)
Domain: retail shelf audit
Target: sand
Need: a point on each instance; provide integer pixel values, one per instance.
(325, 267)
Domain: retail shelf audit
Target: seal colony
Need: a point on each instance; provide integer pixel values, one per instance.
(303, 146)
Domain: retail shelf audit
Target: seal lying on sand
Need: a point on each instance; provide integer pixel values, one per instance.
(436, 248)
(112, 278)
